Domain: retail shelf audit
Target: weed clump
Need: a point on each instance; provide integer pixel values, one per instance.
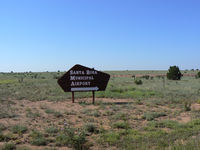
(72, 138)
(9, 146)
(6, 137)
(121, 125)
(38, 139)
(90, 127)
(19, 129)
(52, 130)
(111, 138)
(55, 113)
(187, 106)
(152, 115)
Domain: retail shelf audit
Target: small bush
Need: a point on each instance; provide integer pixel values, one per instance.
(71, 137)
(121, 116)
(19, 129)
(96, 113)
(152, 115)
(38, 138)
(146, 77)
(111, 138)
(171, 124)
(198, 101)
(6, 137)
(138, 81)
(1, 137)
(198, 75)
(30, 114)
(187, 106)
(9, 146)
(174, 73)
(55, 113)
(6, 115)
(52, 130)
(121, 125)
(23, 148)
(90, 127)
(2, 127)
(41, 141)
(62, 140)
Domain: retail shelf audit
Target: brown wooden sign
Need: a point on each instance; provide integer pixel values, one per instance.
(80, 78)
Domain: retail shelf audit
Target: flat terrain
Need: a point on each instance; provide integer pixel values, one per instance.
(157, 114)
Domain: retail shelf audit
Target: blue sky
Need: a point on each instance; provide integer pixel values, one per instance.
(51, 35)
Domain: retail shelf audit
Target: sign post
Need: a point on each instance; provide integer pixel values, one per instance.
(72, 97)
(93, 97)
(81, 79)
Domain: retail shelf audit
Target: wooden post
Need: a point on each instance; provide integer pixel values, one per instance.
(72, 97)
(93, 97)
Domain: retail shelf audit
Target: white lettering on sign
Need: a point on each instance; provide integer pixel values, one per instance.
(80, 83)
(76, 77)
(76, 72)
(89, 72)
(81, 78)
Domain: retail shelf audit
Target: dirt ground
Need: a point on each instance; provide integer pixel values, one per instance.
(39, 115)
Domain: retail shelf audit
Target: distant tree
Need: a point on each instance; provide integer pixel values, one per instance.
(174, 73)
(198, 75)
(138, 81)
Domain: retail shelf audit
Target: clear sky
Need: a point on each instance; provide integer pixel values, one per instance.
(51, 35)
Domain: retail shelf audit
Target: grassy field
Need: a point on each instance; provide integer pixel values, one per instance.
(158, 114)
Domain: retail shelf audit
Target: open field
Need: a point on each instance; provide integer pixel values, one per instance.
(159, 114)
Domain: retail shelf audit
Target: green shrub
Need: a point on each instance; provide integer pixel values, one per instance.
(138, 81)
(19, 129)
(174, 73)
(198, 101)
(55, 113)
(187, 106)
(146, 77)
(73, 138)
(41, 141)
(121, 116)
(171, 124)
(38, 138)
(6, 137)
(78, 141)
(2, 127)
(62, 140)
(23, 148)
(96, 113)
(152, 115)
(30, 114)
(111, 138)
(52, 130)
(121, 125)
(90, 127)
(9, 146)
(7, 115)
(2, 137)
(49, 111)
(198, 75)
